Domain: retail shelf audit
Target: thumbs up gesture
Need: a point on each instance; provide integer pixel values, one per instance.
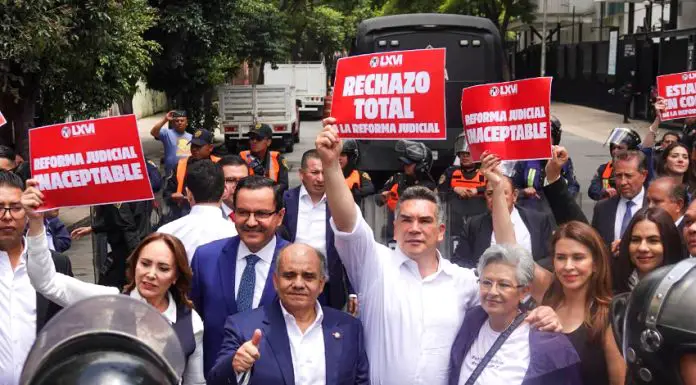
(247, 354)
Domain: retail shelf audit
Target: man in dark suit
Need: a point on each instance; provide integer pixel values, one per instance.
(233, 275)
(293, 340)
(532, 229)
(306, 220)
(612, 216)
(25, 312)
(667, 194)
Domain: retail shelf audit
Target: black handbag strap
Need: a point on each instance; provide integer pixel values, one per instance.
(494, 349)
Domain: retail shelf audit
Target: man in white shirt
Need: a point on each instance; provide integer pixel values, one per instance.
(205, 185)
(413, 300)
(22, 311)
(234, 168)
(306, 220)
(612, 216)
(294, 340)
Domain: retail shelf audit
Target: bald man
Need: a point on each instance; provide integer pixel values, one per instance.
(669, 195)
(293, 340)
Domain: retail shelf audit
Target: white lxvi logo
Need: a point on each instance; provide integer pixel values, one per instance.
(78, 130)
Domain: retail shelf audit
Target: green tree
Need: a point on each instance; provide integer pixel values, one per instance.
(63, 57)
(500, 12)
(204, 42)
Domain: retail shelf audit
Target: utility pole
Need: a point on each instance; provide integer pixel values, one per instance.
(543, 41)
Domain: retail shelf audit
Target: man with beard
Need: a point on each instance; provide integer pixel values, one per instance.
(358, 182)
(233, 275)
(22, 311)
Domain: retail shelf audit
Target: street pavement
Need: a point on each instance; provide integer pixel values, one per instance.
(584, 132)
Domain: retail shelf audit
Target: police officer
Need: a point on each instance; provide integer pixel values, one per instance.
(602, 185)
(113, 339)
(173, 195)
(261, 160)
(464, 186)
(656, 327)
(358, 182)
(417, 159)
(529, 175)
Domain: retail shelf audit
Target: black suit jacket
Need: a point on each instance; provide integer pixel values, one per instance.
(476, 234)
(604, 216)
(45, 309)
(562, 204)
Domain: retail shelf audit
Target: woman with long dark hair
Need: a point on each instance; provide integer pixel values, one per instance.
(674, 162)
(580, 293)
(158, 273)
(651, 240)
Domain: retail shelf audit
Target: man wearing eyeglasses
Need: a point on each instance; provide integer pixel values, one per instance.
(234, 169)
(261, 161)
(234, 275)
(22, 311)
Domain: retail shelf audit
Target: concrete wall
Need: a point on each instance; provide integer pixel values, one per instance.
(687, 14)
(147, 102)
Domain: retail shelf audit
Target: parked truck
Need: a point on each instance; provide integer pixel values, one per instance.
(309, 80)
(242, 107)
(474, 56)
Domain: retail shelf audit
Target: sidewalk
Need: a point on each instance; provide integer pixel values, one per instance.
(79, 216)
(595, 124)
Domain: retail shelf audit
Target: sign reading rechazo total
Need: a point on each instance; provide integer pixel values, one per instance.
(509, 119)
(679, 92)
(91, 162)
(391, 95)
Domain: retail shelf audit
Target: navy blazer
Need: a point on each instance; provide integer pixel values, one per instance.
(344, 348)
(604, 216)
(212, 290)
(334, 294)
(475, 236)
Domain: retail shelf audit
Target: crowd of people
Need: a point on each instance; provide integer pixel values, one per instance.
(266, 284)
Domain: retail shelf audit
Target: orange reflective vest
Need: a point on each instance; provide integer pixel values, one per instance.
(353, 180)
(459, 180)
(181, 172)
(274, 172)
(393, 197)
(606, 175)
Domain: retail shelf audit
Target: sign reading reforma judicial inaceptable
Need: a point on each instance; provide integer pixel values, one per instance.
(90, 162)
(391, 95)
(509, 119)
(679, 91)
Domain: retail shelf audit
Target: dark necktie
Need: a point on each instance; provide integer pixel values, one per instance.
(627, 217)
(245, 296)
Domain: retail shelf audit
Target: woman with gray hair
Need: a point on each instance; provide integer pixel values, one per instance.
(494, 344)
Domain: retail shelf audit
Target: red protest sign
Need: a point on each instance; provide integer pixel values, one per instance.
(3, 121)
(391, 95)
(679, 91)
(89, 163)
(509, 119)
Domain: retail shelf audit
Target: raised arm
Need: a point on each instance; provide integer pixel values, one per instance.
(61, 289)
(502, 223)
(338, 195)
(155, 131)
(556, 190)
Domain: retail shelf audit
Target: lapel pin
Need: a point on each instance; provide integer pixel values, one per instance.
(337, 335)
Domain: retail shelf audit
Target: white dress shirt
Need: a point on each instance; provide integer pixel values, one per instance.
(410, 322)
(679, 221)
(65, 291)
(522, 234)
(311, 221)
(226, 211)
(204, 224)
(307, 349)
(263, 266)
(621, 210)
(17, 317)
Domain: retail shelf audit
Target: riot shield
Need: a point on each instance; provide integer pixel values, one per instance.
(105, 323)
